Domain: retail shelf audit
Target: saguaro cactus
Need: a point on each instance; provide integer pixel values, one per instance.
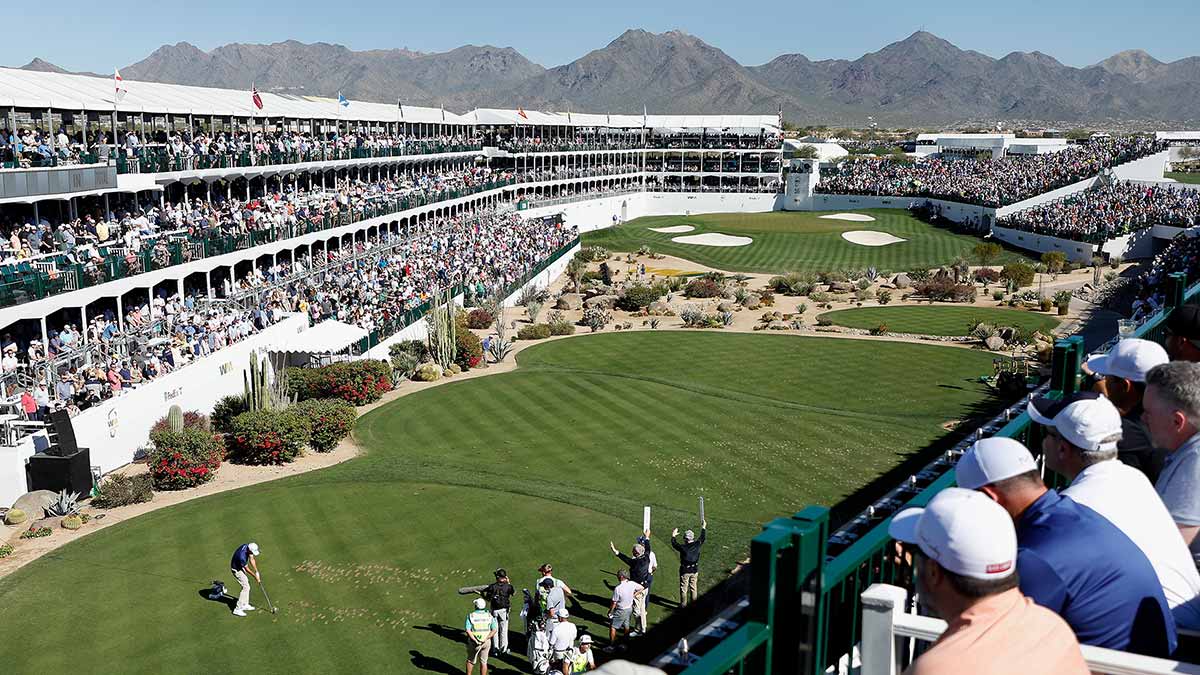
(175, 418)
(440, 322)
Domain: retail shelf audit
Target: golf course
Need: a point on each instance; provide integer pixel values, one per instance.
(940, 320)
(797, 241)
(546, 463)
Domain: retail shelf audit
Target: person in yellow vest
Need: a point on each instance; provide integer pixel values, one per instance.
(583, 660)
(480, 627)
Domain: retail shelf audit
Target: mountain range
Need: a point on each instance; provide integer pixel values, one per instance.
(921, 79)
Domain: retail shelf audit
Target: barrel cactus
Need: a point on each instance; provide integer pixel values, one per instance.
(72, 523)
(175, 418)
(15, 517)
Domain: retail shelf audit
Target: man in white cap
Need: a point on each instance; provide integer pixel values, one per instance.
(1071, 560)
(1123, 381)
(965, 564)
(1080, 443)
(1173, 417)
(480, 627)
(584, 658)
(245, 560)
(562, 642)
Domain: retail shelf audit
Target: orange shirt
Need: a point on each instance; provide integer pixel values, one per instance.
(1005, 634)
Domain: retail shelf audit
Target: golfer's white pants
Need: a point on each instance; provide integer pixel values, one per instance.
(500, 639)
(243, 600)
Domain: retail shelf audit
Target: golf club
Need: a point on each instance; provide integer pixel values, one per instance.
(270, 604)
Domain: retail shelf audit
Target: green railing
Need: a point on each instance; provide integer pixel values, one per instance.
(396, 324)
(804, 613)
(24, 282)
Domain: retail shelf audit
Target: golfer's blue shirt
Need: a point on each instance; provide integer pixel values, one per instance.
(241, 558)
(1074, 562)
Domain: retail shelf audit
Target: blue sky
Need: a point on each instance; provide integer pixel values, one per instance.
(98, 36)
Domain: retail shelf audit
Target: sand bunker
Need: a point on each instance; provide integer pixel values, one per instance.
(713, 239)
(674, 229)
(871, 238)
(856, 217)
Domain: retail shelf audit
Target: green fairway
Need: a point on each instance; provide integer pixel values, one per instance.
(547, 463)
(796, 241)
(939, 319)
(1184, 177)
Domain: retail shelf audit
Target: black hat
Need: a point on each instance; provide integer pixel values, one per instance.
(1184, 321)
(546, 583)
(501, 573)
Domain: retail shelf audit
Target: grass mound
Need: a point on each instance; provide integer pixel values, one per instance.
(939, 319)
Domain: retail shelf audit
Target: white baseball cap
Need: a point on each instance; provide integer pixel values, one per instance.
(562, 613)
(963, 531)
(253, 548)
(1130, 359)
(479, 603)
(993, 459)
(1086, 419)
(585, 640)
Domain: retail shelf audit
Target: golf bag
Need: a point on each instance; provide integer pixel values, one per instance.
(217, 591)
(537, 640)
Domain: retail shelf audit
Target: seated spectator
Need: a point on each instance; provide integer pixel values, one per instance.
(965, 561)
(1172, 416)
(1070, 559)
(1183, 333)
(1080, 442)
(1123, 370)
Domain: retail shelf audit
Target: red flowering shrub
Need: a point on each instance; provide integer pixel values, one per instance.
(356, 382)
(468, 350)
(192, 419)
(702, 288)
(329, 420)
(267, 437)
(184, 459)
(479, 318)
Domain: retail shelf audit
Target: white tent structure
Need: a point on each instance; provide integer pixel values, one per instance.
(319, 343)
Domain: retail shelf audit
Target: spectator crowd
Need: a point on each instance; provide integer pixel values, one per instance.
(985, 182)
(1109, 211)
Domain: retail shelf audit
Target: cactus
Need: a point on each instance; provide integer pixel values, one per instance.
(71, 523)
(15, 517)
(440, 321)
(175, 418)
(66, 504)
(266, 385)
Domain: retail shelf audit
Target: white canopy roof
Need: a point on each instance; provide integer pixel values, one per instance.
(324, 338)
(30, 89)
(826, 152)
(496, 116)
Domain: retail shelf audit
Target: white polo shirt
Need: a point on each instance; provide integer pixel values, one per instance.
(1124, 496)
(624, 592)
(563, 637)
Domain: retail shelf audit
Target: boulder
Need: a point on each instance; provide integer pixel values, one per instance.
(569, 301)
(777, 325)
(752, 301)
(658, 307)
(994, 343)
(841, 287)
(602, 301)
(820, 288)
(725, 307)
(902, 280)
(34, 503)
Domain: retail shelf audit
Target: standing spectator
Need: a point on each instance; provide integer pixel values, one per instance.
(1173, 418)
(689, 562)
(562, 640)
(965, 555)
(29, 406)
(499, 594)
(1183, 333)
(41, 396)
(480, 626)
(1081, 443)
(639, 572)
(1124, 370)
(621, 610)
(1111, 596)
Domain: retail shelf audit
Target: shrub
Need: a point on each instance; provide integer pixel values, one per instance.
(537, 331)
(468, 350)
(330, 420)
(945, 290)
(639, 296)
(403, 364)
(987, 275)
(820, 297)
(792, 283)
(1045, 304)
(268, 437)
(479, 318)
(562, 327)
(997, 295)
(703, 287)
(691, 316)
(225, 409)
(192, 419)
(984, 331)
(5, 550)
(121, 490)
(881, 329)
(357, 382)
(418, 348)
(822, 321)
(863, 294)
(36, 533)
(595, 318)
(727, 319)
(594, 253)
(801, 308)
(1054, 261)
(766, 298)
(1020, 274)
(1063, 298)
(986, 252)
(184, 459)
(884, 296)
(15, 517)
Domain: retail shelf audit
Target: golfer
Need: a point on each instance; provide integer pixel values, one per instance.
(245, 559)
(480, 628)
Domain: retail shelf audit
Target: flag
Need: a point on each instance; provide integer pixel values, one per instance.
(401, 110)
(119, 85)
(521, 112)
(643, 115)
(341, 101)
(443, 112)
(255, 97)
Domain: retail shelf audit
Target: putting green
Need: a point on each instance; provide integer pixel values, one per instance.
(797, 241)
(939, 319)
(547, 463)
(1184, 176)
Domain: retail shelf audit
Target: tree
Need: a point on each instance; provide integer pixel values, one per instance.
(986, 252)
(575, 270)
(961, 269)
(1054, 261)
(805, 152)
(1078, 134)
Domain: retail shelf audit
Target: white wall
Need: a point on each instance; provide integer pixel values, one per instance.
(115, 429)
(956, 211)
(597, 214)
(1075, 251)
(1146, 168)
